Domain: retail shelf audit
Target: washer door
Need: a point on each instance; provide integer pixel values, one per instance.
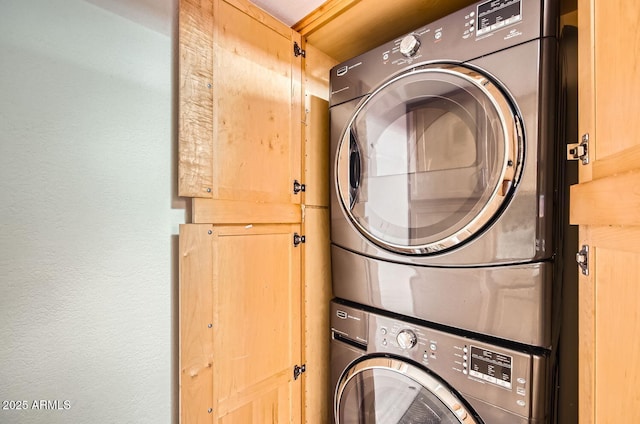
(429, 159)
(381, 390)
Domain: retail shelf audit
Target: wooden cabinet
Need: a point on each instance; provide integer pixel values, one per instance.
(240, 106)
(241, 324)
(606, 205)
(253, 120)
(316, 261)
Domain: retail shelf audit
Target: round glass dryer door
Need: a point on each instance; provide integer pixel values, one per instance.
(389, 391)
(429, 159)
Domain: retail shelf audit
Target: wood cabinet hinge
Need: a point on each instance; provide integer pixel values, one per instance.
(579, 151)
(297, 187)
(582, 258)
(297, 370)
(298, 51)
(297, 239)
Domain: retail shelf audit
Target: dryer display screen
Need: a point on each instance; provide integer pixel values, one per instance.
(496, 14)
(491, 366)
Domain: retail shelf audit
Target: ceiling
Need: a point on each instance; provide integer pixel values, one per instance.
(289, 11)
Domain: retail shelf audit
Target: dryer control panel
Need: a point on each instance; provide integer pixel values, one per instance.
(495, 14)
(480, 29)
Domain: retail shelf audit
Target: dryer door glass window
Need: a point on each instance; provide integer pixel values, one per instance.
(374, 393)
(429, 159)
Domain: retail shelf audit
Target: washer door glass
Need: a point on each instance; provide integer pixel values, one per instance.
(390, 391)
(429, 159)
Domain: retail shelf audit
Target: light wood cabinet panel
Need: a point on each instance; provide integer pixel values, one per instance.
(257, 323)
(317, 152)
(609, 322)
(231, 212)
(248, 281)
(241, 119)
(257, 110)
(316, 162)
(317, 259)
(605, 205)
(195, 98)
(616, 65)
(196, 323)
(317, 294)
(608, 200)
(617, 325)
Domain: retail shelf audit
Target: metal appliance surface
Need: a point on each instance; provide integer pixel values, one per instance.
(510, 302)
(386, 370)
(444, 156)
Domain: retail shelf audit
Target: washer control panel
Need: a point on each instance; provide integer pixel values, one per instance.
(406, 339)
(510, 379)
(494, 374)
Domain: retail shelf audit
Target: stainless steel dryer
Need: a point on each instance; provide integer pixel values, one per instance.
(444, 157)
(389, 371)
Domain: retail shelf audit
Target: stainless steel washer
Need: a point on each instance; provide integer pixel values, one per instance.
(445, 157)
(387, 370)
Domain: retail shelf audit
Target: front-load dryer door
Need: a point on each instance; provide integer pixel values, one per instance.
(429, 159)
(382, 390)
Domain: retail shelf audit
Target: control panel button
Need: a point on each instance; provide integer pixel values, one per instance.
(406, 339)
(409, 45)
(433, 347)
(383, 331)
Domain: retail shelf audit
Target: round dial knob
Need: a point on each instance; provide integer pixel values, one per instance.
(406, 339)
(409, 45)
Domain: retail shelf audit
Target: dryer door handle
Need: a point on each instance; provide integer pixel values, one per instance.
(354, 169)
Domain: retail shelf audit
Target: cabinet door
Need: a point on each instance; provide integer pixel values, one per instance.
(240, 106)
(317, 260)
(241, 309)
(606, 205)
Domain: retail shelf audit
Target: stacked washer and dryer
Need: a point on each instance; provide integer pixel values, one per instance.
(445, 221)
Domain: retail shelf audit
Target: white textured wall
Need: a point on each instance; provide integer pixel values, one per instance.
(88, 211)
